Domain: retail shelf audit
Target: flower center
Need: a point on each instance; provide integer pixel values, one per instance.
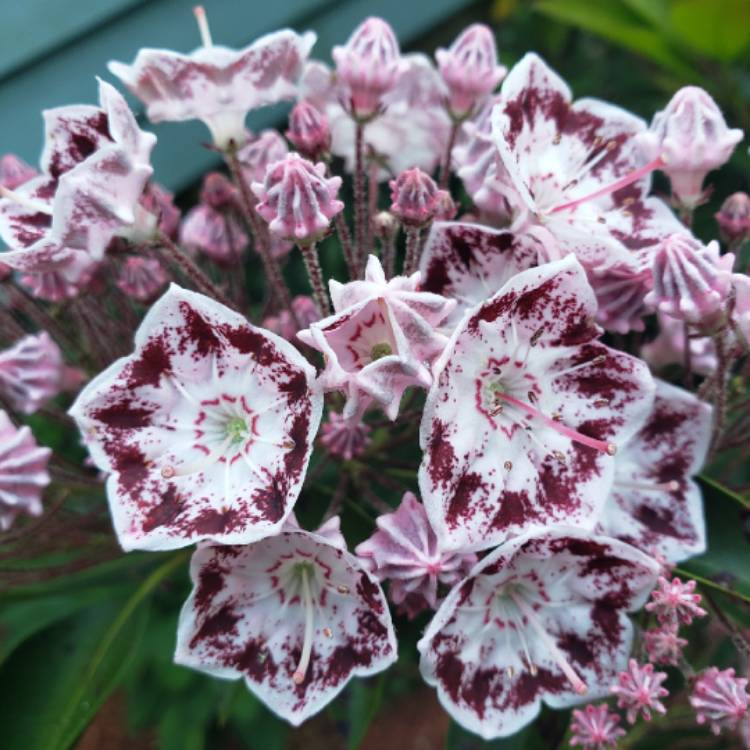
(380, 350)
(236, 430)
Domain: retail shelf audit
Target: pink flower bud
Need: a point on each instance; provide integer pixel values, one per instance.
(14, 171)
(691, 280)
(416, 198)
(297, 200)
(469, 68)
(309, 131)
(369, 64)
(218, 235)
(384, 225)
(217, 191)
(733, 218)
(595, 728)
(690, 134)
(255, 156)
(345, 438)
(142, 278)
(720, 699)
(157, 200)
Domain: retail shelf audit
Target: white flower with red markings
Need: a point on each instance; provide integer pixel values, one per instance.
(294, 615)
(526, 411)
(206, 429)
(541, 619)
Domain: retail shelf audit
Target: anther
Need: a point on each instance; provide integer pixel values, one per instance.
(167, 472)
(559, 455)
(601, 402)
(328, 633)
(536, 336)
(508, 465)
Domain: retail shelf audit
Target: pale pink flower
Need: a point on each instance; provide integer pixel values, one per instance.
(733, 218)
(259, 152)
(526, 412)
(309, 131)
(345, 438)
(595, 728)
(470, 69)
(541, 619)
(692, 138)
(141, 278)
(691, 280)
(415, 197)
(23, 472)
(664, 645)
(720, 699)
(67, 282)
(620, 295)
(216, 84)
(297, 199)
(205, 430)
(675, 602)
(14, 171)
(159, 202)
(369, 64)
(668, 347)
(404, 551)
(638, 689)
(294, 615)
(741, 310)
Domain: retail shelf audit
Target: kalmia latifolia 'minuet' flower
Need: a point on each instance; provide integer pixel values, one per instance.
(295, 615)
(541, 619)
(404, 551)
(526, 412)
(23, 472)
(638, 690)
(595, 728)
(205, 430)
(720, 699)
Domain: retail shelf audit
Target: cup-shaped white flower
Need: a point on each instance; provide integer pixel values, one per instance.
(541, 619)
(526, 411)
(295, 615)
(205, 430)
(654, 503)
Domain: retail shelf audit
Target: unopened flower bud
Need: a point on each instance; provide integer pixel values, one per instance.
(142, 278)
(384, 225)
(217, 191)
(733, 218)
(690, 134)
(369, 64)
(691, 280)
(415, 197)
(297, 200)
(266, 148)
(309, 131)
(446, 207)
(14, 171)
(469, 68)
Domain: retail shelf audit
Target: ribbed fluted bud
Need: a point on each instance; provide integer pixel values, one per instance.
(14, 171)
(369, 64)
(309, 131)
(470, 69)
(691, 280)
(217, 191)
(720, 699)
(415, 197)
(692, 137)
(266, 148)
(733, 218)
(23, 472)
(297, 199)
(142, 278)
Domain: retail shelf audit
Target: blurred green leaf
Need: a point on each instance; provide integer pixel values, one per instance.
(459, 739)
(716, 28)
(365, 698)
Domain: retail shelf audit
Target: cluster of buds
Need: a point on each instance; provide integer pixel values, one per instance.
(555, 473)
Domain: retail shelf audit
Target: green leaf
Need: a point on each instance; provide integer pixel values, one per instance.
(365, 698)
(719, 29)
(459, 739)
(613, 22)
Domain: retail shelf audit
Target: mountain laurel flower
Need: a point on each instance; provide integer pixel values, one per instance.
(720, 699)
(595, 728)
(638, 690)
(369, 64)
(309, 131)
(675, 602)
(259, 152)
(654, 503)
(32, 372)
(216, 84)
(404, 551)
(692, 138)
(733, 218)
(470, 69)
(294, 615)
(344, 438)
(205, 430)
(664, 645)
(541, 619)
(691, 281)
(668, 347)
(141, 278)
(526, 412)
(415, 197)
(14, 171)
(23, 472)
(297, 199)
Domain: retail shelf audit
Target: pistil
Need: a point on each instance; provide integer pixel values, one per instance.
(671, 486)
(200, 16)
(306, 596)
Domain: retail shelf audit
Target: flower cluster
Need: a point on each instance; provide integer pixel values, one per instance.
(555, 472)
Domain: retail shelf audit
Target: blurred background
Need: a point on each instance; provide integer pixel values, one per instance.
(635, 53)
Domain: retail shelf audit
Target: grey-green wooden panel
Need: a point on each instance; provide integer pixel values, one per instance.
(67, 76)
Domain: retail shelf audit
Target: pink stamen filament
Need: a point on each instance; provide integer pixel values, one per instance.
(578, 684)
(200, 16)
(628, 179)
(671, 486)
(600, 445)
(304, 660)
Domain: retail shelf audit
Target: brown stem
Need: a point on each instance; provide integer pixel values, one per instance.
(445, 167)
(360, 200)
(337, 499)
(720, 396)
(346, 245)
(315, 274)
(388, 254)
(412, 250)
(687, 357)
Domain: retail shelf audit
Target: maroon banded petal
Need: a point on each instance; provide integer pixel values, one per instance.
(294, 615)
(539, 620)
(206, 429)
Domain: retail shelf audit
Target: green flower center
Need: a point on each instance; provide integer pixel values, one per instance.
(236, 429)
(380, 350)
